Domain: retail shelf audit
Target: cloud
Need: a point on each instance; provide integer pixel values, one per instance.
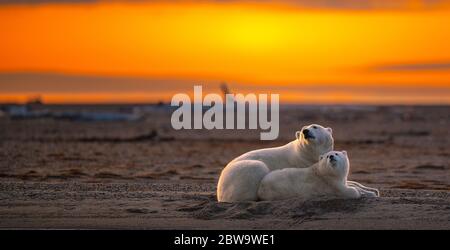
(33, 82)
(413, 67)
(310, 4)
(33, 2)
(369, 4)
(55, 82)
(15, 82)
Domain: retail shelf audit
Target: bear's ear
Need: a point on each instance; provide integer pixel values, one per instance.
(344, 152)
(330, 130)
(297, 135)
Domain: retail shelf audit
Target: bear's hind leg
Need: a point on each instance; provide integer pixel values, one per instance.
(240, 180)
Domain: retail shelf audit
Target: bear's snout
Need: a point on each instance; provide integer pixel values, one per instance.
(307, 133)
(332, 158)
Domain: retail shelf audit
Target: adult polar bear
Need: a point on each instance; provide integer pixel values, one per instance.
(240, 179)
(326, 178)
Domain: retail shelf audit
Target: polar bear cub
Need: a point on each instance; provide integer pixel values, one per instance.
(327, 178)
(240, 179)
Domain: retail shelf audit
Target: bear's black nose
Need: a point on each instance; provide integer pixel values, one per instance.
(305, 131)
(331, 157)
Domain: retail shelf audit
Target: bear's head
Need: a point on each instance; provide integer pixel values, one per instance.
(334, 164)
(317, 138)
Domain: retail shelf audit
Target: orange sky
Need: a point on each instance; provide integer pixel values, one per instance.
(278, 47)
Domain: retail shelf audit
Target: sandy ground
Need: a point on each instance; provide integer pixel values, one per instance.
(144, 174)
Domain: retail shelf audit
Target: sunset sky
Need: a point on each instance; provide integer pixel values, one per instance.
(347, 51)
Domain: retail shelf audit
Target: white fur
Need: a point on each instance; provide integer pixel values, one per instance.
(240, 179)
(327, 178)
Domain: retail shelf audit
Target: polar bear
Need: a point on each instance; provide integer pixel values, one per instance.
(240, 179)
(327, 178)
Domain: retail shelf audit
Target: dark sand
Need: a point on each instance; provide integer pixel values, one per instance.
(143, 174)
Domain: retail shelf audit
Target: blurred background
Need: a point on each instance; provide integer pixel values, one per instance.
(310, 52)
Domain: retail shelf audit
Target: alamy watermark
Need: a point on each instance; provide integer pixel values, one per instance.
(235, 108)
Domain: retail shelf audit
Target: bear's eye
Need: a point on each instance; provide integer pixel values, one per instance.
(314, 127)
